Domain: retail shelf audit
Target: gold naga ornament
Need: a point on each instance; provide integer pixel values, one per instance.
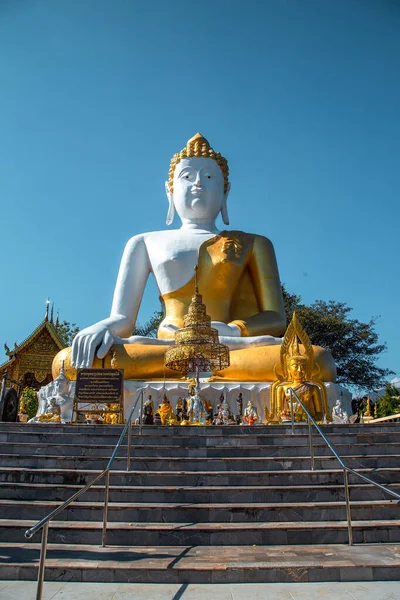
(298, 371)
(197, 346)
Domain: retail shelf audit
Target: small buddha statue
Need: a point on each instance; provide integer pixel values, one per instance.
(338, 414)
(52, 413)
(309, 393)
(166, 412)
(300, 374)
(55, 401)
(250, 416)
(237, 273)
(148, 412)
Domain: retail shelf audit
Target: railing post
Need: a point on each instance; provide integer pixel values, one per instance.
(310, 439)
(141, 413)
(42, 563)
(105, 508)
(128, 458)
(348, 507)
(291, 409)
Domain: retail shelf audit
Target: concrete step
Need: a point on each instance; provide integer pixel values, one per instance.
(168, 464)
(205, 534)
(203, 564)
(270, 437)
(197, 494)
(206, 512)
(195, 478)
(161, 451)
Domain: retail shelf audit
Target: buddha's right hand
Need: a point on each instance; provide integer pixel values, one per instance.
(96, 337)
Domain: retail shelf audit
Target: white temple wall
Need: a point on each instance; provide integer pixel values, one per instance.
(258, 393)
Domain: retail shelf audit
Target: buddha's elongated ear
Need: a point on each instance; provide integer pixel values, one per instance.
(224, 207)
(171, 209)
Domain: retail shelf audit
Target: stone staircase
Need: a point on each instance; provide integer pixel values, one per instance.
(212, 504)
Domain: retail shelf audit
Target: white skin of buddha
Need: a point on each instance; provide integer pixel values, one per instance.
(171, 256)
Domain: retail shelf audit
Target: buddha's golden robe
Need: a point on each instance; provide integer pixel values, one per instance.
(239, 281)
(167, 414)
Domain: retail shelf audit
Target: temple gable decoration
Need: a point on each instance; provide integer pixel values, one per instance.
(30, 362)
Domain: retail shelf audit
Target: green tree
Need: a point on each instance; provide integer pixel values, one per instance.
(150, 328)
(28, 402)
(66, 332)
(389, 404)
(354, 345)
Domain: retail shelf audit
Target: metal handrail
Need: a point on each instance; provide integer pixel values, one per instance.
(346, 469)
(44, 523)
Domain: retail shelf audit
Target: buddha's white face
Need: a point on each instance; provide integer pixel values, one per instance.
(198, 189)
(60, 386)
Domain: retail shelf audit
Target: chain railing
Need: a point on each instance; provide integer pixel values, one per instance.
(346, 469)
(45, 522)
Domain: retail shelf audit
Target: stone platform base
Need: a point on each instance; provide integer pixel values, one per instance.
(258, 393)
(204, 564)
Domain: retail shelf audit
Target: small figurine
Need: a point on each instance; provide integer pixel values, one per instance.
(339, 415)
(224, 415)
(239, 402)
(368, 413)
(196, 411)
(166, 412)
(250, 414)
(52, 414)
(148, 412)
(179, 409)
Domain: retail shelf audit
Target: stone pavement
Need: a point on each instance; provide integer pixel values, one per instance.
(25, 590)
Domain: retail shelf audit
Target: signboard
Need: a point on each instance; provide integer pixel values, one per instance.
(99, 392)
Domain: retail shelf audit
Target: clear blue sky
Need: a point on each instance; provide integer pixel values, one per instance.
(303, 98)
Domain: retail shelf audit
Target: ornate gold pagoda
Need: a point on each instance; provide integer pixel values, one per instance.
(197, 348)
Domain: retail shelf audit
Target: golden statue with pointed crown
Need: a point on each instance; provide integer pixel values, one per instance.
(297, 370)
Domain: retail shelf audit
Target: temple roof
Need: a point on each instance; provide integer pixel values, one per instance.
(44, 325)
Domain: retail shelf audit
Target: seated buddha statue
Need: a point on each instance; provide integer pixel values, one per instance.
(309, 393)
(237, 273)
(297, 371)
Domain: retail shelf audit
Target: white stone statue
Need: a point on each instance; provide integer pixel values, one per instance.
(238, 277)
(56, 401)
(197, 411)
(338, 414)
